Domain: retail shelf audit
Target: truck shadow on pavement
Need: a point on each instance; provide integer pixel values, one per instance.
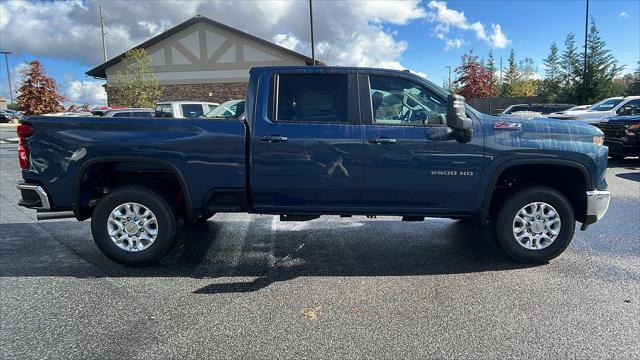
(261, 251)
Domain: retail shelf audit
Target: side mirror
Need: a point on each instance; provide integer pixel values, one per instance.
(457, 118)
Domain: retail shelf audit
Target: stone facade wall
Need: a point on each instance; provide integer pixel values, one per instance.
(195, 92)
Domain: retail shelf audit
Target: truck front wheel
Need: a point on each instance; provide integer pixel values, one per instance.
(133, 226)
(535, 224)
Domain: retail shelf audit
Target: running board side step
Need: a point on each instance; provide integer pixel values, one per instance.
(50, 215)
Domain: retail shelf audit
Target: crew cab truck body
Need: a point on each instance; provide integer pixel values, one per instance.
(319, 141)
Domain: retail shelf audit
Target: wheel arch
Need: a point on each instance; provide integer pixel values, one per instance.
(502, 169)
(169, 166)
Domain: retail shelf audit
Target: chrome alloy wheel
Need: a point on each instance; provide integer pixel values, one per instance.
(132, 227)
(536, 226)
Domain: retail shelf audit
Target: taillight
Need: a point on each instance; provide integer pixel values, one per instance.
(24, 131)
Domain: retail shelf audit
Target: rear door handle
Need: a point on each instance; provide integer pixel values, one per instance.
(274, 138)
(383, 140)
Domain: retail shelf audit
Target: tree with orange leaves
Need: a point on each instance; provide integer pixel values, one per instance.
(38, 92)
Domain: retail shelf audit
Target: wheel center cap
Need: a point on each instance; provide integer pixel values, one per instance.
(537, 226)
(131, 228)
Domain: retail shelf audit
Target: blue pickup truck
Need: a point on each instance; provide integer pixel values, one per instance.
(318, 141)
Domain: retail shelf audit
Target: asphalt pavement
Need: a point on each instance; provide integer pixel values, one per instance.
(249, 286)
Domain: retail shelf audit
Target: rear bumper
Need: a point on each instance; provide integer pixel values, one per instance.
(36, 197)
(33, 196)
(597, 206)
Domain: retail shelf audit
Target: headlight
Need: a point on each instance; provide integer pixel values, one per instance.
(598, 140)
(633, 126)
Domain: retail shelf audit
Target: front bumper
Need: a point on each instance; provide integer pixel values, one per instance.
(597, 206)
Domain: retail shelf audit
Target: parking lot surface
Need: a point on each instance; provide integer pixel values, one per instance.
(250, 286)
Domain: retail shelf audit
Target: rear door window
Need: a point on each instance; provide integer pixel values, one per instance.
(192, 110)
(164, 110)
(122, 114)
(314, 98)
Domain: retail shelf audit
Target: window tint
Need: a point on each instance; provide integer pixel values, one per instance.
(122, 114)
(309, 98)
(397, 101)
(605, 105)
(630, 108)
(141, 114)
(192, 110)
(518, 108)
(164, 111)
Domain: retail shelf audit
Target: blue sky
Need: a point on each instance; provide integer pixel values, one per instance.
(531, 26)
(412, 34)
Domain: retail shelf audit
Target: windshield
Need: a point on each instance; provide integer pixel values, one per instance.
(605, 105)
(229, 109)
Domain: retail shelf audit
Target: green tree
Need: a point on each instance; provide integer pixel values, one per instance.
(552, 84)
(527, 84)
(571, 70)
(490, 66)
(634, 85)
(135, 85)
(511, 75)
(602, 68)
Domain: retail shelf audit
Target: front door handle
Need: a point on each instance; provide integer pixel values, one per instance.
(274, 138)
(383, 140)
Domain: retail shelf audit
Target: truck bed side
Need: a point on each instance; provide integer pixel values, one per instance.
(203, 154)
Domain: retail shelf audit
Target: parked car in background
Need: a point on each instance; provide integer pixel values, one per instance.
(622, 135)
(232, 109)
(70, 114)
(576, 108)
(130, 112)
(184, 109)
(540, 109)
(5, 117)
(601, 110)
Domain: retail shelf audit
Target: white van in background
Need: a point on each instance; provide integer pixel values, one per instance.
(184, 109)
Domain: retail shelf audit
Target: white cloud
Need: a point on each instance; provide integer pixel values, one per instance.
(85, 92)
(346, 32)
(623, 15)
(289, 40)
(446, 18)
(5, 16)
(453, 44)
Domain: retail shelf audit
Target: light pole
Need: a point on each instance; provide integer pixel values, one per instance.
(313, 51)
(6, 61)
(104, 43)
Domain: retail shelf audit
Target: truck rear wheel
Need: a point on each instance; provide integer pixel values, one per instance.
(133, 226)
(535, 224)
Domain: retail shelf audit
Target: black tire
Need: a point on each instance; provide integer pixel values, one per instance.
(166, 224)
(504, 224)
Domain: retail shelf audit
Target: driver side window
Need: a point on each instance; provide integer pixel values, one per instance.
(396, 101)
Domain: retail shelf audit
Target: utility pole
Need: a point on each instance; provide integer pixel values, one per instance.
(313, 51)
(449, 67)
(584, 68)
(104, 44)
(500, 70)
(6, 61)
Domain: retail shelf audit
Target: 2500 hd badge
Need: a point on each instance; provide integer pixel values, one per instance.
(451, 173)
